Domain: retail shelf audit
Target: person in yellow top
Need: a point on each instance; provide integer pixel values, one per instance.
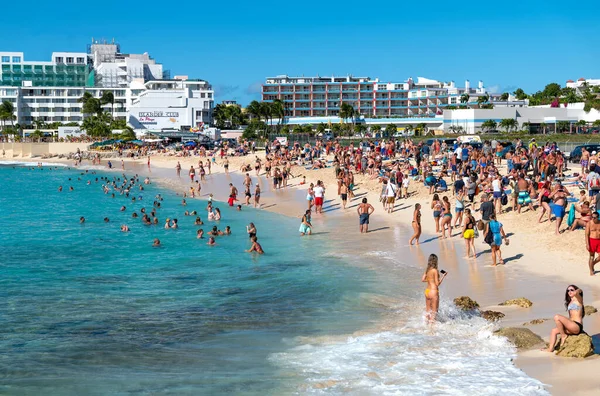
(532, 144)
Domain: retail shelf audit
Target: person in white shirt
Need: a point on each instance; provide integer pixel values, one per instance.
(497, 190)
(390, 194)
(405, 183)
(319, 192)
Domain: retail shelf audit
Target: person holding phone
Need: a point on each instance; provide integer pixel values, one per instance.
(433, 280)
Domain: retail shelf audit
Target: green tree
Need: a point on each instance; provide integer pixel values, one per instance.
(504, 97)
(596, 124)
(307, 128)
(360, 129)
(254, 109)
(7, 112)
(390, 129)
(580, 125)
(543, 127)
(285, 130)
(108, 98)
(37, 135)
(421, 129)
(483, 99)
(297, 129)
(520, 94)
(526, 126)
(321, 128)
(347, 112)
(509, 124)
(552, 90)
(489, 125)
(375, 129)
(267, 113)
(464, 98)
(336, 129)
(278, 111)
(563, 126)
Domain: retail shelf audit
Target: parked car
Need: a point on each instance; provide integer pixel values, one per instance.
(575, 155)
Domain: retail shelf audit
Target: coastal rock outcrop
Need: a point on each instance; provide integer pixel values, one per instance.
(520, 337)
(535, 322)
(521, 302)
(492, 316)
(466, 303)
(590, 309)
(577, 346)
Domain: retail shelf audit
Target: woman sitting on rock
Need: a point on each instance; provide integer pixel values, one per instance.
(573, 325)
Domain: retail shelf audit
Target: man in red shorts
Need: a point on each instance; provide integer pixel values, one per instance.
(592, 240)
(319, 191)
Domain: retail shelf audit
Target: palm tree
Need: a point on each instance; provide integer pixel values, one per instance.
(421, 129)
(489, 125)
(266, 112)
(563, 126)
(39, 123)
(520, 94)
(464, 98)
(376, 129)
(504, 97)
(7, 112)
(526, 125)
(580, 125)
(278, 110)
(108, 98)
(543, 126)
(508, 124)
(254, 109)
(483, 99)
(321, 128)
(347, 112)
(596, 124)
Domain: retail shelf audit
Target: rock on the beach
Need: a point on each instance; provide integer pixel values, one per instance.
(534, 322)
(521, 302)
(466, 303)
(521, 338)
(492, 316)
(577, 346)
(590, 310)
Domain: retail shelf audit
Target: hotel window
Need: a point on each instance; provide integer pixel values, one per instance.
(203, 95)
(58, 59)
(210, 94)
(381, 87)
(16, 59)
(6, 59)
(69, 60)
(80, 60)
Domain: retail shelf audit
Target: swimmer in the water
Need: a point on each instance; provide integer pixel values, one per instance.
(227, 230)
(59, 188)
(174, 224)
(82, 220)
(106, 219)
(156, 242)
(124, 228)
(200, 234)
(123, 208)
(198, 221)
(255, 246)
(211, 241)
(167, 223)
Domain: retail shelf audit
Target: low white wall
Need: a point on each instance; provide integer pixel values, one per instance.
(26, 150)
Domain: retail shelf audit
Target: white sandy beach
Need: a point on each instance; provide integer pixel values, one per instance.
(539, 265)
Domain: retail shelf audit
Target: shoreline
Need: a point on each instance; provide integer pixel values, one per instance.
(522, 276)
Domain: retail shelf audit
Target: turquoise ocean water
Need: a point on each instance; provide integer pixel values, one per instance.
(89, 309)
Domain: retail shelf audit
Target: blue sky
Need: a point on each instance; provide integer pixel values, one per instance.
(235, 45)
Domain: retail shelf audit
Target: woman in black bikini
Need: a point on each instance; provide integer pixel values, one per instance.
(573, 325)
(416, 224)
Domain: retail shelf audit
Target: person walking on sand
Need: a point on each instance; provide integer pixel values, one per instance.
(364, 211)
(495, 240)
(468, 233)
(436, 205)
(178, 169)
(573, 325)
(344, 194)
(432, 292)
(592, 241)
(257, 196)
(192, 173)
(416, 224)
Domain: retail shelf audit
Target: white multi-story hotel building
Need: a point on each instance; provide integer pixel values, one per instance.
(323, 96)
(49, 91)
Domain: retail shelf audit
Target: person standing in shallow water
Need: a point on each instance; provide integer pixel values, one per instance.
(364, 211)
(432, 292)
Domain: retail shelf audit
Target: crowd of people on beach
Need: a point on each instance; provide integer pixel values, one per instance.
(470, 188)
